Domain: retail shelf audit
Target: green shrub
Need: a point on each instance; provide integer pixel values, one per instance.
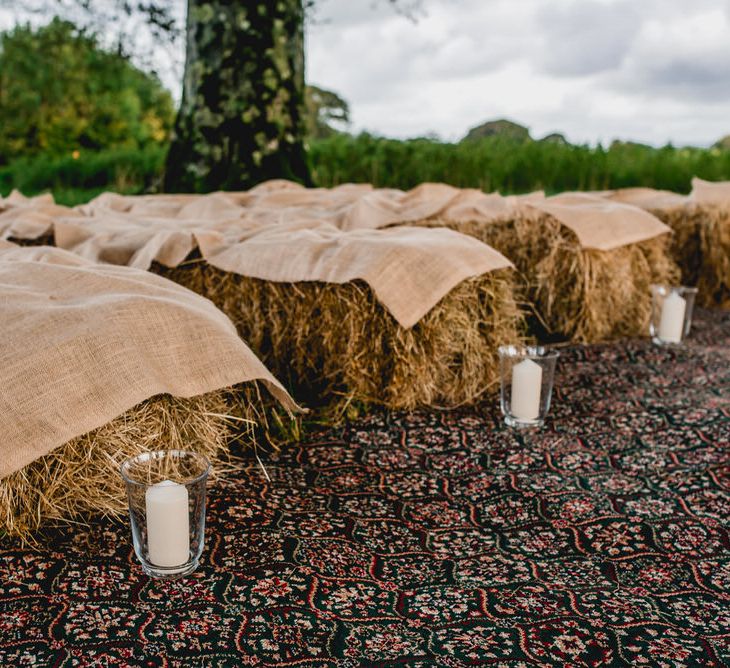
(74, 180)
(61, 92)
(493, 163)
(499, 163)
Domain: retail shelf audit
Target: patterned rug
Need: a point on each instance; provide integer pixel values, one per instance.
(435, 539)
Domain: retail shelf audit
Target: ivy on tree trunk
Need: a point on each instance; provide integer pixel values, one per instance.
(241, 120)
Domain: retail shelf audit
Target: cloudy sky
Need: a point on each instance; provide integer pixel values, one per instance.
(645, 70)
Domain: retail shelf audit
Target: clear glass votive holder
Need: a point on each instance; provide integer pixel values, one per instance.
(671, 313)
(527, 374)
(166, 493)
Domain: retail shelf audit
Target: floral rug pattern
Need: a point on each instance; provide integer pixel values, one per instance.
(435, 539)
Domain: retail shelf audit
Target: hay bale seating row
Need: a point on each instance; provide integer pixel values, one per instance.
(578, 292)
(333, 335)
(585, 266)
(121, 362)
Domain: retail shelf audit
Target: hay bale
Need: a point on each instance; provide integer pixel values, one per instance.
(710, 203)
(335, 344)
(581, 294)
(81, 479)
(686, 246)
(116, 339)
(701, 226)
(701, 248)
(714, 278)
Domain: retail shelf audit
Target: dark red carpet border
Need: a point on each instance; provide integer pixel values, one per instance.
(435, 540)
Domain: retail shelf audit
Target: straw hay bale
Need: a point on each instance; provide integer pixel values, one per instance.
(701, 248)
(685, 222)
(714, 279)
(582, 294)
(335, 345)
(81, 479)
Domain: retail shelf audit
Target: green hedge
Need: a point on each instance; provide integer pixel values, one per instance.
(74, 180)
(490, 164)
(511, 167)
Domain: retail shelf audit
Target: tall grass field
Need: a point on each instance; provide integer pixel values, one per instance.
(492, 163)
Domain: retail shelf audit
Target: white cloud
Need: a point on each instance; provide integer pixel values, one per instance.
(682, 57)
(586, 36)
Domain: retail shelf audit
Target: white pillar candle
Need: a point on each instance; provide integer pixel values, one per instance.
(526, 389)
(671, 325)
(168, 528)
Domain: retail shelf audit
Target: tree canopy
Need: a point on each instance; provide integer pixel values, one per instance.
(60, 91)
(244, 114)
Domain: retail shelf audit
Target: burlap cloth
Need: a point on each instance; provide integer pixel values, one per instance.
(29, 217)
(714, 193)
(647, 198)
(83, 343)
(601, 224)
(409, 269)
(598, 224)
(709, 192)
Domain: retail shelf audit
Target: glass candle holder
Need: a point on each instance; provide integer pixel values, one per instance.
(527, 374)
(671, 313)
(166, 493)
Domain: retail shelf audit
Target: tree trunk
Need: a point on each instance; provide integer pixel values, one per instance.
(241, 120)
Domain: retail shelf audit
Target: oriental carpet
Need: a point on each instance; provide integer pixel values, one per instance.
(435, 539)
